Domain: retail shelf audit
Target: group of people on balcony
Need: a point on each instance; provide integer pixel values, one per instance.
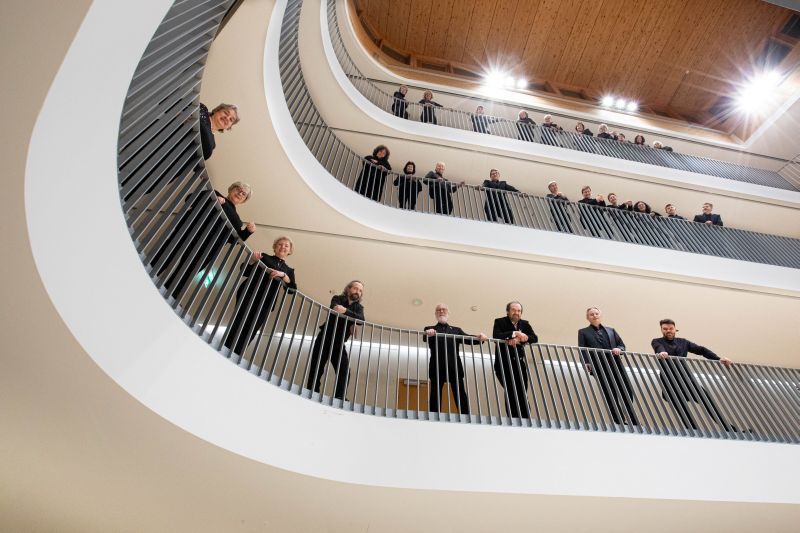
(526, 127)
(371, 183)
(256, 296)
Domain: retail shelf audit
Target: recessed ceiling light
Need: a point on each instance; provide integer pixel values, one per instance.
(607, 101)
(522, 83)
(632, 106)
(621, 103)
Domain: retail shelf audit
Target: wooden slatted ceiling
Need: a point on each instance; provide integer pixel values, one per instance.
(635, 48)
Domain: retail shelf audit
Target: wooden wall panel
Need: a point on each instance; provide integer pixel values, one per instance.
(677, 56)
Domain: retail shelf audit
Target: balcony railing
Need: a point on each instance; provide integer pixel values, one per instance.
(520, 209)
(292, 341)
(503, 127)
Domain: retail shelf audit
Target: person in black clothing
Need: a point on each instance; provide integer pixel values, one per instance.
(256, 295)
(590, 219)
(602, 352)
(510, 363)
(440, 190)
(672, 212)
(613, 203)
(583, 130)
(408, 186)
(603, 133)
(201, 233)
(678, 384)
(659, 146)
(399, 104)
(644, 208)
(525, 126)
(221, 119)
(373, 176)
(428, 114)
(345, 311)
(497, 206)
(480, 122)
(639, 139)
(445, 366)
(708, 217)
(559, 208)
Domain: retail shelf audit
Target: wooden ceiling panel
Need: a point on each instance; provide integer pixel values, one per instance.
(419, 19)
(458, 30)
(677, 57)
(436, 43)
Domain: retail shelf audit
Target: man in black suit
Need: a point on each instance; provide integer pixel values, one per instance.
(707, 217)
(510, 364)
(678, 384)
(346, 309)
(672, 212)
(445, 366)
(497, 193)
(441, 190)
(601, 355)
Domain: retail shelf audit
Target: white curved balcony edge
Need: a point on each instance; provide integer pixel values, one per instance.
(545, 153)
(95, 280)
(546, 246)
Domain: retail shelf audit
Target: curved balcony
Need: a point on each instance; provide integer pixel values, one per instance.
(448, 117)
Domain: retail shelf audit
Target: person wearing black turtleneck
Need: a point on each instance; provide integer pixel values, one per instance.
(510, 363)
(445, 366)
(373, 175)
(602, 355)
(329, 345)
(222, 118)
(399, 103)
(677, 380)
(257, 293)
(497, 193)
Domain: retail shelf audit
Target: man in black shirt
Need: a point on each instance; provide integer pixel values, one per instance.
(678, 384)
(707, 217)
(591, 218)
(480, 122)
(346, 310)
(672, 212)
(497, 195)
(558, 207)
(441, 190)
(510, 363)
(445, 366)
(602, 353)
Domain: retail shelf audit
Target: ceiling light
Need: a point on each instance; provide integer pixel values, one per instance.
(632, 106)
(621, 103)
(522, 83)
(494, 79)
(757, 91)
(607, 101)
(510, 81)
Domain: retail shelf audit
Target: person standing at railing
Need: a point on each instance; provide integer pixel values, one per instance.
(559, 204)
(221, 119)
(581, 129)
(441, 190)
(672, 212)
(677, 380)
(603, 133)
(200, 231)
(428, 112)
(639, 140)
(399, 103)
(480, 122)
(445, 366)
(408, 187)
(525, 127)
(510, 363)
(256, 295)
(372, 180)
(602, 353)
(708, 217)
(497, 192)
(591, 219)
(345, 310)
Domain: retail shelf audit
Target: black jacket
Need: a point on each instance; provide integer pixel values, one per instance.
(526, 126)
(716, 220)
(206, 134)
(373, 177)
(444, 350)
(399, 105)
(428, 112)
(230, 211)
(441, 191)
(605, 135)
(503, 329)
(480, 123)
(587, 338)
(681, 347)
(343, 323)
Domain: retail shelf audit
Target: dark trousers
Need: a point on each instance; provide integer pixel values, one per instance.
(561, 216)
(616, 387)
(329, 346)
(498, 208)
(371, 184)
(253, 305)
(440, 372)
(679, 388)
(512, 373)
(444, 206)
(407, 198)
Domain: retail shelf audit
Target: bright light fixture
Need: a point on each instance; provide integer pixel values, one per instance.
(494, 79)
(632, 106)
(757, 91)
(510, 81)
(522, 83)
(607, 101)
(621, 103)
